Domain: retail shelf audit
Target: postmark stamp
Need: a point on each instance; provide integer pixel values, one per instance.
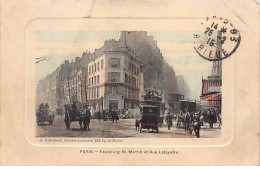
(218, 40)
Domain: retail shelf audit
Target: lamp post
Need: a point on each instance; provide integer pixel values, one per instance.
(102, 103)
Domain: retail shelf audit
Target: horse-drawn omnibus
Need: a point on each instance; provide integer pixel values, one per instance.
(149, 111)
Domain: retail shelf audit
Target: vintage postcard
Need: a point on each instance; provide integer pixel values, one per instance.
(130, 84)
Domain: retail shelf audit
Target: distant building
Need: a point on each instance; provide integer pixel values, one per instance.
(183, 87)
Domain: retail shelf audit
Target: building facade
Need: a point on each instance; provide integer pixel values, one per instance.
(114, 77)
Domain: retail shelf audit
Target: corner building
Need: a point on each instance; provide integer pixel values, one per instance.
(114, 78)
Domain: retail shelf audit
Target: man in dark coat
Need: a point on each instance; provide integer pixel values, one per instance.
(114, 115)
(98, 115)
(75, 110)
(169, 120)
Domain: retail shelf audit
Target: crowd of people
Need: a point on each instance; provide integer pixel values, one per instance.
(150, 94)
(192, 121)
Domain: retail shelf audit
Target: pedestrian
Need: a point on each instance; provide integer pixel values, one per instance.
(114, 115)
(196, 125)
(169, 120)
(98, 115)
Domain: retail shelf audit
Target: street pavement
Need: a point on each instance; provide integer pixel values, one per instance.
(125, 128)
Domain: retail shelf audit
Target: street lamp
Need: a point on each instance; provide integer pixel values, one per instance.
(102, 103)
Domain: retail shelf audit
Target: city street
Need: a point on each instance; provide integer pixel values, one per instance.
(123, 129)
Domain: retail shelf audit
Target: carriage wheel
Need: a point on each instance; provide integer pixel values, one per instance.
(140, 127)
(157, 129)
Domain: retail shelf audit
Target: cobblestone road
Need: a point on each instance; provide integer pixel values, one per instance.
(123, 129)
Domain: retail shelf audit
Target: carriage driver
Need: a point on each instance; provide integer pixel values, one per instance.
(75, 109)
(87, 111)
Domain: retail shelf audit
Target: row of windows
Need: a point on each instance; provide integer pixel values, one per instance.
(133, 68)
(95, 67)
(114, 77)
(131, 93)
(94, 93)
(93, 81)
(131, 80)
(114, 63)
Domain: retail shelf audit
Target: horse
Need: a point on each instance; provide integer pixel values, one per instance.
(180, 119)
(85, 118)
(187, 120)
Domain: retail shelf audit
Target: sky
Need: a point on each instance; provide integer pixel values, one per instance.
(177, 48)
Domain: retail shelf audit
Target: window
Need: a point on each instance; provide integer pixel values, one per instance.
(114, 76)
(94, 91)
(102, 64)
(137, 71)
(115, 63)
(134, 69)
(92, 68)
(129, 66)
(126, 78)
(89, 81)
(90, 93)
(89, 71)
(129, 79)
(97, 92)
(92, 81)
(95, 67)
(133, 81)
(97, 79)
(98, 66)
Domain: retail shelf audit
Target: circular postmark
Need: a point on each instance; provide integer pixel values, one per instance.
(218, 40)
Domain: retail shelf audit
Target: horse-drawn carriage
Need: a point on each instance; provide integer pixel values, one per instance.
(150, 112)
(149, 118)
(43, 114)
(187, 109)
(76, 113)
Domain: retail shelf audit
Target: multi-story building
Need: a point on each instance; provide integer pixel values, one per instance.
(114, 75)
(157, 73)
